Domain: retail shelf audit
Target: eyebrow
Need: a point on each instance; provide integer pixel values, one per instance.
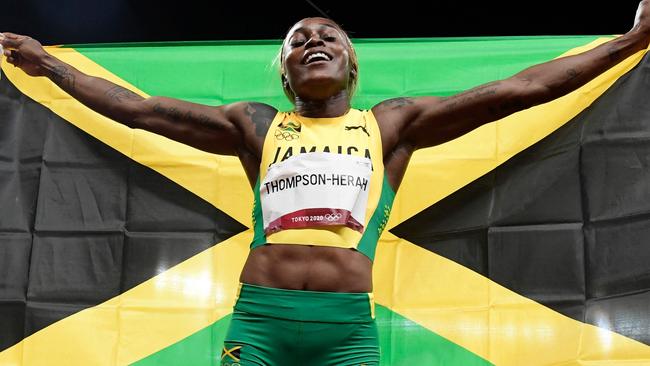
(323, 25)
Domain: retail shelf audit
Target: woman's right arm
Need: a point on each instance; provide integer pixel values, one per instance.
(219, 130)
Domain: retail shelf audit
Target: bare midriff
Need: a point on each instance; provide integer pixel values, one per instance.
(309, 268)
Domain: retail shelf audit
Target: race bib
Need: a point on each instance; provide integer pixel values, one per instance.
(316, 189)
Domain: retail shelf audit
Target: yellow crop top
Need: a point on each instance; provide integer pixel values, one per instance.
(322, 182)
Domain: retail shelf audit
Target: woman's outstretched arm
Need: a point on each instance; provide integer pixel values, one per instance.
(428, 121)
(222, 130)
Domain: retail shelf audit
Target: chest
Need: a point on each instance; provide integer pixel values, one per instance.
(293, 137)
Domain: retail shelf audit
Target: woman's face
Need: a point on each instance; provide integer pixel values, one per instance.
(316, 59)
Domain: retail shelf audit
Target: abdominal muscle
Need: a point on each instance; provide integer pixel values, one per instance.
(308, 267)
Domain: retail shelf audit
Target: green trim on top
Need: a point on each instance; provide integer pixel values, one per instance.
(368, 243)
(259, 237)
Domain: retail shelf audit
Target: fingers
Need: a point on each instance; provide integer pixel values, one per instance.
(11, 40)
(13, 57)
(10, 43)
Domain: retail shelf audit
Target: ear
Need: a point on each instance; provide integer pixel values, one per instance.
(353, 74)
(285, 82)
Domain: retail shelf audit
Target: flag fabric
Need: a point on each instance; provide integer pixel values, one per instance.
(522, 242)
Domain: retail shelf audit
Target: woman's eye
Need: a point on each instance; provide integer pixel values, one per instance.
(329, 38)
(297, 43)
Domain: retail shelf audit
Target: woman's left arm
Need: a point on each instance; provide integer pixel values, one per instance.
(428, 121)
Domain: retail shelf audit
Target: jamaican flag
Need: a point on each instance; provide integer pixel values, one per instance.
(520, 243)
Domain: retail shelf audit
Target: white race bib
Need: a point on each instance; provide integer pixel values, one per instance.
(316, 189)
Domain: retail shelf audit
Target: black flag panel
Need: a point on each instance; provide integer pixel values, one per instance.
(567, 221)
(81, 223)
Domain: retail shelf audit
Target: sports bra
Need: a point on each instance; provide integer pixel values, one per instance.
(322, 183)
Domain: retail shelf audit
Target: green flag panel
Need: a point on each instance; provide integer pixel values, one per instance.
(218, 73)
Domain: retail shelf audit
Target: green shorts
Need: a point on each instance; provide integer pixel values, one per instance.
(276, 327)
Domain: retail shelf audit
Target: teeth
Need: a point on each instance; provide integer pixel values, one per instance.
(317, 54)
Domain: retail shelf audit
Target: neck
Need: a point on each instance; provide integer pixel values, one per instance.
(334, 106)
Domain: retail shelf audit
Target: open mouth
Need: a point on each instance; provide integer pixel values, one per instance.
(317, 56)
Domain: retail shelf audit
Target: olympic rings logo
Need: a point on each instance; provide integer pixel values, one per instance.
(333, 217)
(285, 135)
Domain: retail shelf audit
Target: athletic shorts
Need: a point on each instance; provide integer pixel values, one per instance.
(277, 327)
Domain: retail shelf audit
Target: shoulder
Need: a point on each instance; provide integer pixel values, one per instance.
(393, 104)
(402, 108)
(398, 113)
(395, 115)
(251, 116)
(251, 111)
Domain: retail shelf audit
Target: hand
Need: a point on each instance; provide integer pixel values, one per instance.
(642, 18)
(24, 52)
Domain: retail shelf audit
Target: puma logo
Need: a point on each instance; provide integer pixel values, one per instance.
(363, 128)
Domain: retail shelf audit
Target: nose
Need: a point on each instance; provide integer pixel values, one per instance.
(314, 40)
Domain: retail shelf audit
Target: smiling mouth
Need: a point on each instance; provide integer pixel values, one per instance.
(316, 57)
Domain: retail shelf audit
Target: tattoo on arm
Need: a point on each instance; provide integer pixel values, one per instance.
(471, 95)
(572, 74)
(177, 115)
(397, 103)
(261, 115)
(203, 120)
(172, 112)
(120, 94)
(63, 78)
